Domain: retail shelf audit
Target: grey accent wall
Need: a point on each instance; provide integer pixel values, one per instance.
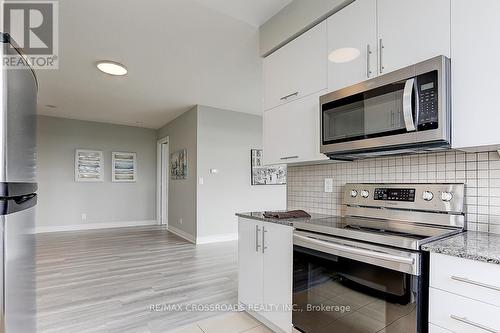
(225, 139)
(62, 201)
(294, 19)
(182, 133)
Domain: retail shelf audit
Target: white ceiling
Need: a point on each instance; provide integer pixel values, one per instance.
(178, 52)
(254, 12)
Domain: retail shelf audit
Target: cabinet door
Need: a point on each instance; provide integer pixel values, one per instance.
(292, 133)
(352, 44)
(475, 73)
(412, 31)
(278, 262)
(250, 264)
(297, 69)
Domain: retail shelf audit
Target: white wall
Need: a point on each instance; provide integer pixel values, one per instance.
(225, 139)
(62, 201)
(182, 192)
(293, 20)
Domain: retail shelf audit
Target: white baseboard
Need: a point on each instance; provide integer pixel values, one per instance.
(217, 238)
(91, 226)
(182, 234)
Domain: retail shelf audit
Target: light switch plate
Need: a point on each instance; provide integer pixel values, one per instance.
(328, 185)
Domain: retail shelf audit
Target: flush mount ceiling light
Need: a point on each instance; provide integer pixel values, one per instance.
(111, 67)
(344, 54)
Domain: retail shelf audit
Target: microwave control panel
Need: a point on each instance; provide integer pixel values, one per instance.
(428, 113)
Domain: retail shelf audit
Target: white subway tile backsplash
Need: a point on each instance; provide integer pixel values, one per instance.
(479, 171)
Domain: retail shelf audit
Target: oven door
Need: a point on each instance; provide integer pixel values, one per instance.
(345, 286)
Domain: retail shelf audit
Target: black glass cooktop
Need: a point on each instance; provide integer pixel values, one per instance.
(392, 233)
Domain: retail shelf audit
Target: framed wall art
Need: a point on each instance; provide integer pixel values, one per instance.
(89, 165)
(124, 167)
(266, 175)
(179, 165)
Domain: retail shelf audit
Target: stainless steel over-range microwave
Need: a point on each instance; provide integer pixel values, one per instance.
(406, 110)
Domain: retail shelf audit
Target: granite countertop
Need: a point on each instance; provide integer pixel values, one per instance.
(289, 222)
(480, 246)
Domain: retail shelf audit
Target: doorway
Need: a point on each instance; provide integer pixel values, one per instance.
(162, 179)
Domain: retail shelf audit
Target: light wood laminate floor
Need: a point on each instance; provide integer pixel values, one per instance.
(105, 281)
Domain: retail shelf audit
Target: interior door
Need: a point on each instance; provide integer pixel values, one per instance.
(412, 31)
(250, 265)
(352, 44)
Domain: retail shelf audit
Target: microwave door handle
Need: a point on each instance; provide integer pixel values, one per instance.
(407, 105)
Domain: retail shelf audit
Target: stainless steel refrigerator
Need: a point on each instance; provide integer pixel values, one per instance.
(18, 90)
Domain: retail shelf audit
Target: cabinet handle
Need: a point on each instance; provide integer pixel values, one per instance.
(284, 98)
(288, 157)
(480, 284)
(257, 231)
(264, 247)
(381, 53)
(368, 54)
(468, 322)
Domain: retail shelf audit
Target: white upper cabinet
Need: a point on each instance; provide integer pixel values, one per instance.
(352, 44)
(475, 72)
(291, 132)
(412, 31)
(297, 69)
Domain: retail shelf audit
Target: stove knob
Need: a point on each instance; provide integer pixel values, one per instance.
(427, 195)
(365, 194)
(354, 193)
(446, 196)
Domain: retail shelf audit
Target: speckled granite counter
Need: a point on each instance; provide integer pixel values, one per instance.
(473, 245)
(315, 218)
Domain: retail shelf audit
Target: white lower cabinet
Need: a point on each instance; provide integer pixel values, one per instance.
(265, 254)
(292, 133)
(464, 295)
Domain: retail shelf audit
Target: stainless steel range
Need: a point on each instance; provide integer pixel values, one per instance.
(364, 271)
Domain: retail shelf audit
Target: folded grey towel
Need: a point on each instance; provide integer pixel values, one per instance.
(291, 214)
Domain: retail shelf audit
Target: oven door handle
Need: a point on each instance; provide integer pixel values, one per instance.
(356, 251)
(407, 105)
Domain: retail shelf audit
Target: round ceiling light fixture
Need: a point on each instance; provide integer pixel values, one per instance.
(111, 67)
(343, 55)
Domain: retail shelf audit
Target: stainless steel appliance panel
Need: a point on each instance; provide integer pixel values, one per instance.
(336, 293)
(19, 280)
(386, 113)
(354, 195)
(18, 88)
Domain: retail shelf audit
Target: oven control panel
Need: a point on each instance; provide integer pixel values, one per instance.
(444, 197)
(394, 194)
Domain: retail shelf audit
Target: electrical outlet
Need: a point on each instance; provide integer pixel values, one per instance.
(180, 221)
(328, 185)
(84, 217)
